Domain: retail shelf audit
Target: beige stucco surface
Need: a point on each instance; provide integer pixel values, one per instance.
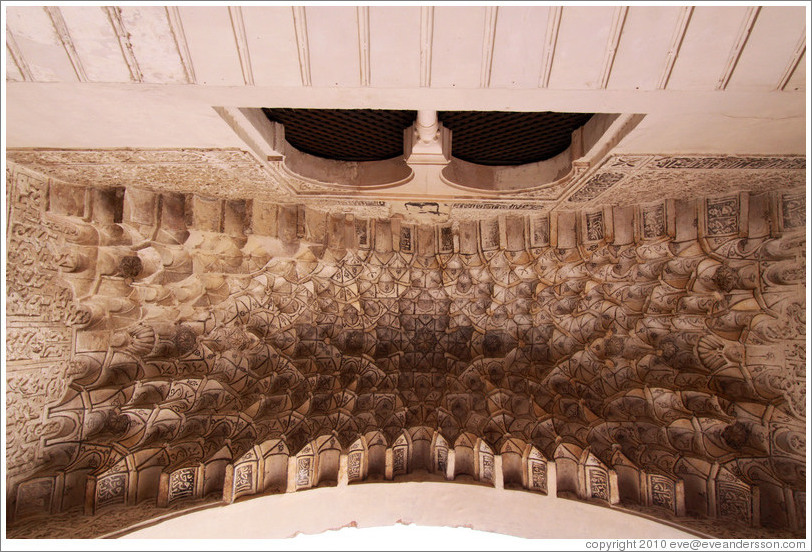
(516, 513)
(159, 116)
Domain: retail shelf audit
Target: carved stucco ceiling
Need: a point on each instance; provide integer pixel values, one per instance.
(158, 342)
(183, 328)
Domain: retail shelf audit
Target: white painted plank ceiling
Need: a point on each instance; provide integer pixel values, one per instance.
(741, 48)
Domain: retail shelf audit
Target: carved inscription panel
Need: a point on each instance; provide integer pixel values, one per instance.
(182, 483)
(598, 484)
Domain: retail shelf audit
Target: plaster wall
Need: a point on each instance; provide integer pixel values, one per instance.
(721, 133)
(60, 115)
(522, 514)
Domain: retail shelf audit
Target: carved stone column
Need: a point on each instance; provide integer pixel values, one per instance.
(450, 465)
(552, 481)
(343, 479)
(291, 474)
(498, 476)
(228, 485)
(427, 148)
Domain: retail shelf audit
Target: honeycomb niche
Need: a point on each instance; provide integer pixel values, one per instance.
(169, 350)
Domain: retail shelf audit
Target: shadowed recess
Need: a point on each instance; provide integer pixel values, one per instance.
(484, 138)
(510, 138)
(345, 134)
